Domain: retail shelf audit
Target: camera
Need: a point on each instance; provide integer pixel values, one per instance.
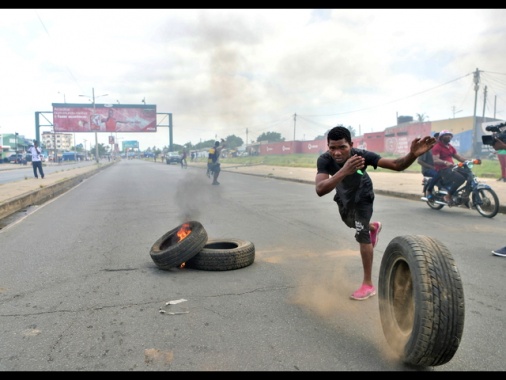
(495, 128)
(496, 134)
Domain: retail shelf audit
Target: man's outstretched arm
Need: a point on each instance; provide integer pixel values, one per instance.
(418, 147)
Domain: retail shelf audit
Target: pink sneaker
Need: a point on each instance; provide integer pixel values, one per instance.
(363, 293)
(375, 234)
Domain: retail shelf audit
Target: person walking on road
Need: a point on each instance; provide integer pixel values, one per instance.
(215, 166)
(343, 168)
(36, 159)
(184, 164)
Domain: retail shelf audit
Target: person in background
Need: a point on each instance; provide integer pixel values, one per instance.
(443, 154)
(500, 251)
(184, 164)
(210, 157)
(343, 169)
(36, 159)
(426, 162)
(215, 159)
(500, 148)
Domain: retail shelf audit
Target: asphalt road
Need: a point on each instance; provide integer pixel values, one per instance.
(79, 290)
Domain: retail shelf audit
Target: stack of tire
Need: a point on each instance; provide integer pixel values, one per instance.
(196, 251)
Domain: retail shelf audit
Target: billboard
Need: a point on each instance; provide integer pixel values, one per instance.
(132, 144)
(104, 117)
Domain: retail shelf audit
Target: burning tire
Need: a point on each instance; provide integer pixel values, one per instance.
(226, 254)
(421, 300)
(171, 251)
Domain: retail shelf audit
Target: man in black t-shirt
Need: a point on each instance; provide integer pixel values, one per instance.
(343, 169)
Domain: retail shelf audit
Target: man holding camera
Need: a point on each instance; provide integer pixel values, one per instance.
(497, 141)
(500, 148)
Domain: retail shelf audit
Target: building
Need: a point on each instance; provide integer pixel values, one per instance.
(394, 140)
(57, 143)
(11, 143)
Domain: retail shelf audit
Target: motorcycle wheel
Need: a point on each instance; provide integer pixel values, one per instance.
(490, 202)
(435, 206)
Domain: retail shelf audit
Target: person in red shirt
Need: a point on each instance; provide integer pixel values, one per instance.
(443, 154)
(110, 122)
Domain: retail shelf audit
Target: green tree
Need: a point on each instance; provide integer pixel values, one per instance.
(233, 142)
(421, 117)
(102, 150)
(270, 137)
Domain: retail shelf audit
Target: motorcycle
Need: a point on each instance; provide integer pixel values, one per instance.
(482, 197)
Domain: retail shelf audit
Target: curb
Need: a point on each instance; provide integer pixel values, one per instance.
(45, 194)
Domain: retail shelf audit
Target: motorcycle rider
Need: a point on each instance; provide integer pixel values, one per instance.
(426, 162)
(443, 154)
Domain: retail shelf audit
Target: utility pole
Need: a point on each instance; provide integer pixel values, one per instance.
(476, 146)
(484, 102)
(454, 111)
(246, 136)
(55, 153)
(294, 123)
(96, 134)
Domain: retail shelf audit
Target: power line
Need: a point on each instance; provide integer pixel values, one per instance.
(395, 100)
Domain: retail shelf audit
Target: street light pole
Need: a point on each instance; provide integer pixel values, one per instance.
(96, 134)
(476, 80)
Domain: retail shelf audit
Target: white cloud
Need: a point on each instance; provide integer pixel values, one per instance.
(220, 72)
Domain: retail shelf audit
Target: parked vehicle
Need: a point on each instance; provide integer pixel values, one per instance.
(172, 158)
(18, 158)
(482, 198)
(72, 156)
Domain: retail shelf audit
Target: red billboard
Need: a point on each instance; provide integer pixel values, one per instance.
(104, 117)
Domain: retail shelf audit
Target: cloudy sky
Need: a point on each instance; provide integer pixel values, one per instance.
(245, 72)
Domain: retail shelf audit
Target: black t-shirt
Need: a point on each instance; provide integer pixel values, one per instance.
(352, 187)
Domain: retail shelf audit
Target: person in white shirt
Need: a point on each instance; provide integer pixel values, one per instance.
(36, 159)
